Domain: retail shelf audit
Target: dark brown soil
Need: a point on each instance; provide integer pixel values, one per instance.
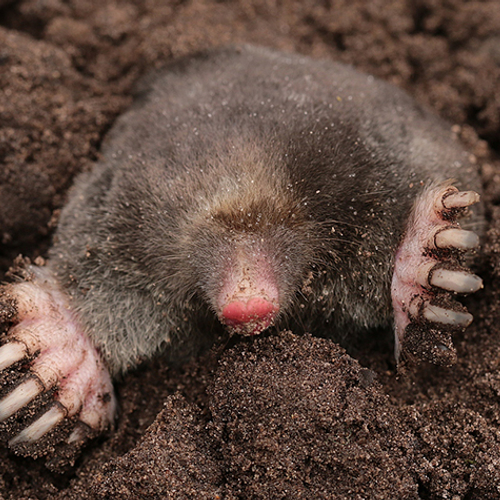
(276, 417)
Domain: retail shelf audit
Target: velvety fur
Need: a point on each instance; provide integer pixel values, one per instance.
(310, 163)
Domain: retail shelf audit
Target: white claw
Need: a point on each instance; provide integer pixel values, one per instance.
(461, 199)
(447, 316)
(40, 427)
(11, 353)
(458, 238)
(456, 281)
(19, 397)
(78, 434)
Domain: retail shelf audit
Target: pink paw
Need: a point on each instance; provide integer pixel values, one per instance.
(427, 272)
(55, 386)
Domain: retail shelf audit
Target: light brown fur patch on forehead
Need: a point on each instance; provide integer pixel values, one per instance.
(251, 189)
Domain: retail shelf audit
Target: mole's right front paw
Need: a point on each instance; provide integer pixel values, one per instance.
(429, 273)
(54, 385)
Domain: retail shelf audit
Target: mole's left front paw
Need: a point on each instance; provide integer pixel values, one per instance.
(428, 272)
(54, 387)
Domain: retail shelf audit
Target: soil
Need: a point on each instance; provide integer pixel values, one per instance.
(281, 416)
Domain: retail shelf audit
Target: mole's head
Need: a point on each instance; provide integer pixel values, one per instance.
(250, 249)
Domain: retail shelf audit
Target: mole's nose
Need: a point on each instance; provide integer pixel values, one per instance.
(250, 316)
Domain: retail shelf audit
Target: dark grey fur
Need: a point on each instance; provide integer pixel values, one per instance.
(310, 162)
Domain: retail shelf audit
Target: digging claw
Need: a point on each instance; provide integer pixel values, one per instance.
(79, 433)
(20, 397)
(11, 353)
(456, 281)
(456, 238)
(40, 427)
(459, 199)
(446, 316)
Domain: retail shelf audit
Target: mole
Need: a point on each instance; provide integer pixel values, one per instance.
(245, 189)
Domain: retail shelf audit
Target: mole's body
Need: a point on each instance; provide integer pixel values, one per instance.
(248, 188)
